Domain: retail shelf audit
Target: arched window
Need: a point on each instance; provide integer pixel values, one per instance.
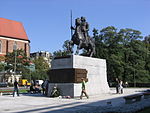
(15, 46)
(1, 46)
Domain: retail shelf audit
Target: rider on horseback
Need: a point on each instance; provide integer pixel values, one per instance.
(85, 29)
(81, 37)
(77, 26)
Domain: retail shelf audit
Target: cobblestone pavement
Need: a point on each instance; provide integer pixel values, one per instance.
(36, 103)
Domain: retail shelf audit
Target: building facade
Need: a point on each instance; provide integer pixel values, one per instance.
(47, 56)
(12, 37)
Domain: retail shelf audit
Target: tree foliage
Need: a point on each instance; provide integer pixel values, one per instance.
(2, 67)
(126, 51)
(19, 63)
(63, 52)
(41, 68)
(2, 64)
(17, 59)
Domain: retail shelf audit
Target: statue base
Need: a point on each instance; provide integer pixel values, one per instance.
(96, 75)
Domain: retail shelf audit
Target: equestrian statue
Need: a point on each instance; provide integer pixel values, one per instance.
(81, 37)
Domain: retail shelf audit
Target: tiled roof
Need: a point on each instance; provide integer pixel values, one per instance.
(13, 29)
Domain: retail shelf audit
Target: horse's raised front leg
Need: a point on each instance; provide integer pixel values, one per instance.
(70, 47)
(91, 54)
(78, 48)
(77, 51)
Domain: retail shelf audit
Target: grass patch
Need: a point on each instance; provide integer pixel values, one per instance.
(20, 90)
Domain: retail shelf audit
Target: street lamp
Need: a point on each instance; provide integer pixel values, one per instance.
(15, 50)
(15, 64)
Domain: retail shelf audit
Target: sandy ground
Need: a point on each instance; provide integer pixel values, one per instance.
(37, 103)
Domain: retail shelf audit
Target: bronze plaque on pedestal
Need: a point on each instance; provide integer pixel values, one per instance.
(70, 75)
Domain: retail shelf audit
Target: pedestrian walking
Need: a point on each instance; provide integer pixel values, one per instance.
(43, 88)
(120, 87)
(83, 89)
(126, 84)
(16, 88)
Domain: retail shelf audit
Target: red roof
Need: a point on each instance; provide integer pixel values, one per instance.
(13, 29)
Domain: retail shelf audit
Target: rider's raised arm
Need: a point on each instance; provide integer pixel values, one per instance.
(73, 28)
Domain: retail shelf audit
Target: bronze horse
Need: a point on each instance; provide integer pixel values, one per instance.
(79, 39)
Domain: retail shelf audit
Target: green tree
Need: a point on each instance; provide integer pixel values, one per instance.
(41, 68)
(107, 47)
(2, 67)
(138, 61)
(63, 52)
(59, 53)
(18, 59)
(127, 55)
(147, 55)
(66, 45)
(2, 64)
(127, 36)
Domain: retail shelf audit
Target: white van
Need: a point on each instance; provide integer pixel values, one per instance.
(39, 82)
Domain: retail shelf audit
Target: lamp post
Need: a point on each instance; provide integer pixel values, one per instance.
(15, 51)
(15, 64)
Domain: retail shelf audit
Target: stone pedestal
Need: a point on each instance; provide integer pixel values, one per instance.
(96, 74)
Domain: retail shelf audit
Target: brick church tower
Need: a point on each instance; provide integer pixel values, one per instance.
(13, 36)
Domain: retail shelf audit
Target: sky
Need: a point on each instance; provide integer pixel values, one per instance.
(47, 22)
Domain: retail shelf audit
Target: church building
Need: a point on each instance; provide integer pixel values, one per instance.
(13, 37)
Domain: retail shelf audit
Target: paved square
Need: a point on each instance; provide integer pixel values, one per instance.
(36, 103)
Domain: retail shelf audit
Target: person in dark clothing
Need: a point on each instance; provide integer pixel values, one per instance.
(43, 88)
(55, 92)
(16, 88)
(117, 85)
(32, 89)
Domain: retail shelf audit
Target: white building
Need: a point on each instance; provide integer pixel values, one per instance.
(46, 55)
